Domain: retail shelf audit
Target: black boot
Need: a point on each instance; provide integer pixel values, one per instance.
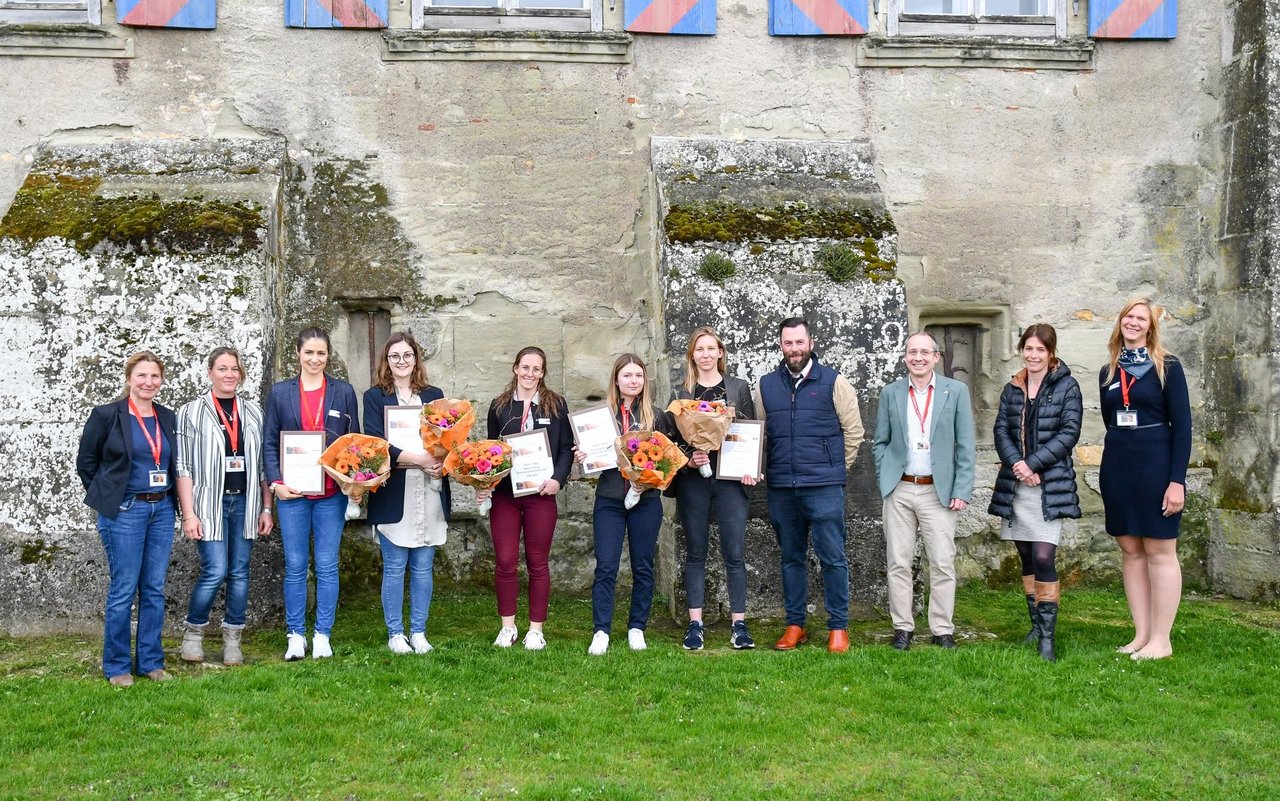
(1047, 611)
(1029, 588)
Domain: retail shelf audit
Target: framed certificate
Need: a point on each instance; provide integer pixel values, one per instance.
(400, 425)
(594, 431)
(531, 462)
(300, 453)
(742, 453)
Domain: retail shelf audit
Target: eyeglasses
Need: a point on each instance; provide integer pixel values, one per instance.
(921, 352)
(527, 370)
(399, 357)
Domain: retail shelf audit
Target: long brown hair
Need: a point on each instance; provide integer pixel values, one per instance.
(137, 359)
(690, 368)
(385, 381)
(1154, 349)
(615, 396)
(548, 399)
(1047, 336)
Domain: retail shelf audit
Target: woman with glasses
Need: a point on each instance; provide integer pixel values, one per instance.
(410, 512)
(527, 404)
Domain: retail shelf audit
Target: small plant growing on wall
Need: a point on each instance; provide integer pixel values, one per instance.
(840, 262)
(717, 267)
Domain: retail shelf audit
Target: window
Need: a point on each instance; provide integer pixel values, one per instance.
(558, 15)
(1011, 18)
(65, 11)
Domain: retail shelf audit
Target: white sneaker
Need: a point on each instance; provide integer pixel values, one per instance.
(635, 638)
(399, 645)
(506, 637)
(320, 647)
(418, 641)
(297, 648)
(534, 641)
(599, 643)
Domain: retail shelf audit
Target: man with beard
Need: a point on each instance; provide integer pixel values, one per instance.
(812, 432)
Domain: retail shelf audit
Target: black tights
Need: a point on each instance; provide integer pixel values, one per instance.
(1038, 558)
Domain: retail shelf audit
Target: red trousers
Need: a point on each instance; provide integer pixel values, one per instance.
(535, 517)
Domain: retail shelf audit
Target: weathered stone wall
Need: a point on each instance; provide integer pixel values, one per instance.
(489, 205)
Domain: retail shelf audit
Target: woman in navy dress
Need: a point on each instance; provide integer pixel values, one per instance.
(1147, 412)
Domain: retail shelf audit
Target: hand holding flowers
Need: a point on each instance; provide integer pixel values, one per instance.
(649, 460)
(359, 464)
(702, 424)
(481, 465)
(444, 424)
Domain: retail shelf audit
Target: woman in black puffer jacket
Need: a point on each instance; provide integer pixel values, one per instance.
(1037, 426)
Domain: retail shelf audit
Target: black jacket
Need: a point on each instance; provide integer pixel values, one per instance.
(738, 395)
(505, 420)
(106, 451)
(1058, 415)
(386, 506)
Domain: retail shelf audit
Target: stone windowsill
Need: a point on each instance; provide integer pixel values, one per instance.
(607, 47)
(70, 41)
(980, 52)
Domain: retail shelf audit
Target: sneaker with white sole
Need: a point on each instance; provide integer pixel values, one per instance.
(297, 648)
(399, 644)
(739, 637)
(320, 647)
(506, 637)
(534, 641)
(599, 643)
(635, 639)
(418, 641)
(694, 636)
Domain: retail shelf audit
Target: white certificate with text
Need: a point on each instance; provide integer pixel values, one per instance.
(531, 462)
(742, 453)
(300, 453)
(594, 431)
(401, 424)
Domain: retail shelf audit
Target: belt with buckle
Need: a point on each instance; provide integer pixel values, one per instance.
(917, 479)
(233, 492)
(151, 497)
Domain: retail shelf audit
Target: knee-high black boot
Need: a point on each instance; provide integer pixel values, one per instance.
(1029, 590)
(1047, 615)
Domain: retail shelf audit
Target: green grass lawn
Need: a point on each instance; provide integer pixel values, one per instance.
(471, 721)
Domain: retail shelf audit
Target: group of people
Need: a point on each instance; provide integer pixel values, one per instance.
(216, 464)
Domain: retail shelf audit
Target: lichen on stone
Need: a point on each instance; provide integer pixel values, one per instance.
(719, 221)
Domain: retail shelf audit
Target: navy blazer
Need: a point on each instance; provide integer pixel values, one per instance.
(106, 454)
(283, 412)
(386, 505)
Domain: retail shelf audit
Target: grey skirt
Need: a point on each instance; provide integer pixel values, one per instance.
(1028, 523)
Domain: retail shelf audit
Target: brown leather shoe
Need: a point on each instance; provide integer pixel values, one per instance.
(160, 674)
(793, 636)
(123, 680)
(838, 641)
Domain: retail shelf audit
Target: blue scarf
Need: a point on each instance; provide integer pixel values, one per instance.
(1135, 361)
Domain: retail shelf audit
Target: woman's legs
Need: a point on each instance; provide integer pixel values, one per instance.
(505, 521)
(295, 537)
(421, 562)
(1137, 590)
(731, 515)
(213, 573)
(122, 540)
(1165, 587)
(155, 566)
(239, 552)
(394, 560)
(693, 505)
(327, 521)
(643, 523)
(608, 524)
(539, 528)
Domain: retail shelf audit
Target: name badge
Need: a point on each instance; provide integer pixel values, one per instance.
(334, 413)
(158, 478)
(544, 421)
(1116, 385)
(234, 464)
(1127, 419)
(921, 445)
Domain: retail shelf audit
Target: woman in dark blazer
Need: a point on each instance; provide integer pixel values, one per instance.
(527, 404)
(410, 512)
(314, 401)
(705, 379)
(128, 464)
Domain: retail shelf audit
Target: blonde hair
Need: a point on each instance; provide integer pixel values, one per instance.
(691, 369)
(135, 360)
(615, 396)
(1154, 349)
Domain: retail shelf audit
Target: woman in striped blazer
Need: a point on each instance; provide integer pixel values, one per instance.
(225, 501)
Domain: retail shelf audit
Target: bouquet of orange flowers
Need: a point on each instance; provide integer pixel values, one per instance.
(647, 459)
(445, 423)
(480, 465)
(703, 424)
(360, 464)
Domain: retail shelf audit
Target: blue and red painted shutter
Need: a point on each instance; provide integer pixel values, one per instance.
(168, 13)
(335, 13)
(1133, 19)
(690, 17)
(817, 17)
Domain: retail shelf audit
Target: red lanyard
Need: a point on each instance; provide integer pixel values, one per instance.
(232, 425)
(302, 401)
(1124, 387)
(155, 442)
(626, 419)
(928, 399)
(524, 418)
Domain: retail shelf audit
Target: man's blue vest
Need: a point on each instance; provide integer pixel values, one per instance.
(805, 445)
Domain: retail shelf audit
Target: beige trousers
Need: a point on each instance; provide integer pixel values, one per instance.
(908, 509)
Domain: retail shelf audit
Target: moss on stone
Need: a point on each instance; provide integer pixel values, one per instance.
(68, 207)
(840, 262)
(719, 221)
(717, 267)
(37, 551)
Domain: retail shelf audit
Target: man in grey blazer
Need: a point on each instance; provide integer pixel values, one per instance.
(924, 455)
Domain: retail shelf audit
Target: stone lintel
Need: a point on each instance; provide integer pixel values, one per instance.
(68, 41)
(607, 47)
(980, 52)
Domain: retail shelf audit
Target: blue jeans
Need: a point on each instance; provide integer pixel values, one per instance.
(301, 521)
(394, 561)
(225, 561)
(611, 521)
(138, 543)
(796, 515)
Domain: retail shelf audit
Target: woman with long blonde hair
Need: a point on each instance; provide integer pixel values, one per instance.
(1147, 412)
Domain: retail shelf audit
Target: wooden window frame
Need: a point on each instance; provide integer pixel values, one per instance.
(70, 12)
(1052, 26)
(507, 15)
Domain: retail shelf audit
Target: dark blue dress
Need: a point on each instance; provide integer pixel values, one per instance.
(1138, 464)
